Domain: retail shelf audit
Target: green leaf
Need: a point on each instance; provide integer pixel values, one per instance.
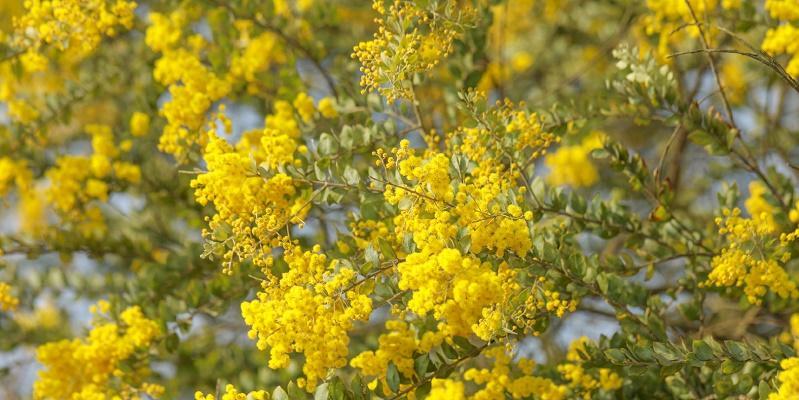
(736, 350)
(172, 342)
(351, 176)
(327, 144)
(702, 351)
(386, 249)
(616, 356)
(666, 351)
(279, 394)
(371, 255)
(763, 389)
(420, 365)
(294, 391)
(670, 370)
(423, 390)
(731, 367)
(321, 392)
(392, 377)
(449, 351)
(463, 343)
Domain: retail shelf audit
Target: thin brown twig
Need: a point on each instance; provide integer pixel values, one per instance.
(712, 62)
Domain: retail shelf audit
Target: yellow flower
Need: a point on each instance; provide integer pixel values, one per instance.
(446, 389)
(139, 124)
(85, 367)
(70, 23)
(231, 393)
(304, 105)
(303, 311)
(327, 107)
(789, 380)
(572, 165)
(8, 302)
(738, 267)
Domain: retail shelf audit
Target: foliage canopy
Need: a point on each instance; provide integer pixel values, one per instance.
(294, 199)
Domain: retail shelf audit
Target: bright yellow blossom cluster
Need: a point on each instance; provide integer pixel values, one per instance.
(247, 205)
(76, 181)
(280, 135)
(253, 206)
(530, 133)
(499, 381)
(789, 380)
(231, 393)
(739, 266)
(68, 23)
(396, 346)
(759, 208)
(193, 89)
(572, 165)
(8, 302)
(580, 379)
(789, 376)
(435, 204)
(446, 389)
(43, 317)
(309, 309)
(409, 40)
(139, 124)
(258, 54)
(15, 174)
(784, 39)
(673, 23)
(459, 290)
(91, 368)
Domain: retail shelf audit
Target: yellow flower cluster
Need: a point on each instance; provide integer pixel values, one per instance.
(367, 231)
(530, 134)
(499, 382)
(459, 290)
(13, 173)
(475, 204)
(76, 181)
(43, 317)
(8, 302)
(139, 124)
(279, 136)
(90, 368)
(783, 40)
(572, 165)
(580, 379)
(537, 301)
(789, 380)
(759, 208)
(231, 393)
(327, 107)
(789, 376)
(309, 309)
(735, 81)
(446, 389)
(398, 346)
(193, 89)
(258, 55)
(738, 266)
(31, 207)
(251, 207)
(478, 209)
(783, 9)
(671, 21)
(68, 23)
(409, 40)
(516, 125)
